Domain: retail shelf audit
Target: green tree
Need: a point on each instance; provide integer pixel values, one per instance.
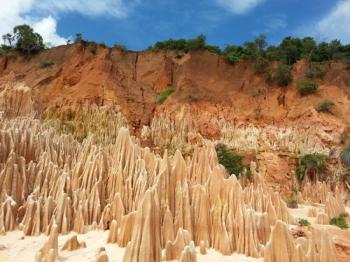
(310, 165)
(8, 38)
(27, 40)
(309, 48)
(291, 49)
(261, 43)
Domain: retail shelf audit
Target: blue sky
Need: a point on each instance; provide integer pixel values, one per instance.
(140, 23)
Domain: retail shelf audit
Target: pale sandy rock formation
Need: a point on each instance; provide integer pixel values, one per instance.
(49, 251)
(73, 244)
(52, 184)
(101, 255)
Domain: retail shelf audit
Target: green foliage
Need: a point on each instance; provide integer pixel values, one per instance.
(292, 202)
(340, 221)
(6, 50)
(345, 156)
(92, 48)
(248, 173)
(131, 98)
(78, 38)
(325, 106)
(231, 161)
(103, 45)
(261, 65)
(120, 47)
(315, 72)
(303, 222)
(46, 63)
(281, 75)
(164, 95)
(310, 165)
(307, 87)
(185, 45)
(213, 49)
(27, 40)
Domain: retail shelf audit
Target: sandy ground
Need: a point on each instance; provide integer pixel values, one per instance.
(15, 248)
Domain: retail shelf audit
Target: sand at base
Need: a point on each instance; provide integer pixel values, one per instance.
(19, 249)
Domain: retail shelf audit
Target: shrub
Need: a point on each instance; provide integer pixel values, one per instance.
(261, 66)
(46, 63)
(307, 87)
(248, 173)
(92, 48)
(303, 222)
(131, 98)
(6, 50)
(310, 165)
(325, 106)
(231, 161)
(292, 202)
(163, 95)
(340, 221)
(120, 47)
(282, 75)
(345, 156)
(315, 72)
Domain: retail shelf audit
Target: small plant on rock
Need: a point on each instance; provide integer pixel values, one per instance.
(310, 165)
(46, 63)
(345, 156)
(292, 202)
(307, 87)
(325, 106)
(164, 95)
(230, 160)
(340, 221)
(303, 222)
(315, 72)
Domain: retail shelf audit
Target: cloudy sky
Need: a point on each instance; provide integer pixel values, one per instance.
(139, 23)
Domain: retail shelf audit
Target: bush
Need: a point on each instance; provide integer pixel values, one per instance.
(310, 165)
(282, 75)
(231, 161)
(345, 156)
(46, 63)
(92, 48)
(292, 202)
(307, 87)
(120, 47)
(325, 106)
(261, 66)
(6, 50)
(340, 221)
(163, 95)
(315, 72)
(303, 222)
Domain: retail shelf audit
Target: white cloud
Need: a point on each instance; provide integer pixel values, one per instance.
(42, 15)
(115, 8)
(239, 6)
(47, 29)
(335, 25)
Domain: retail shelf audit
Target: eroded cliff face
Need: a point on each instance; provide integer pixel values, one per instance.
(159, 208)
(213, 99)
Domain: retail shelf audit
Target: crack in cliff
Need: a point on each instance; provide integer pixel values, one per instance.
(135, 67)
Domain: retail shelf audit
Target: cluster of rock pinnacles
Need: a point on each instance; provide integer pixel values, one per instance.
(158, 208)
